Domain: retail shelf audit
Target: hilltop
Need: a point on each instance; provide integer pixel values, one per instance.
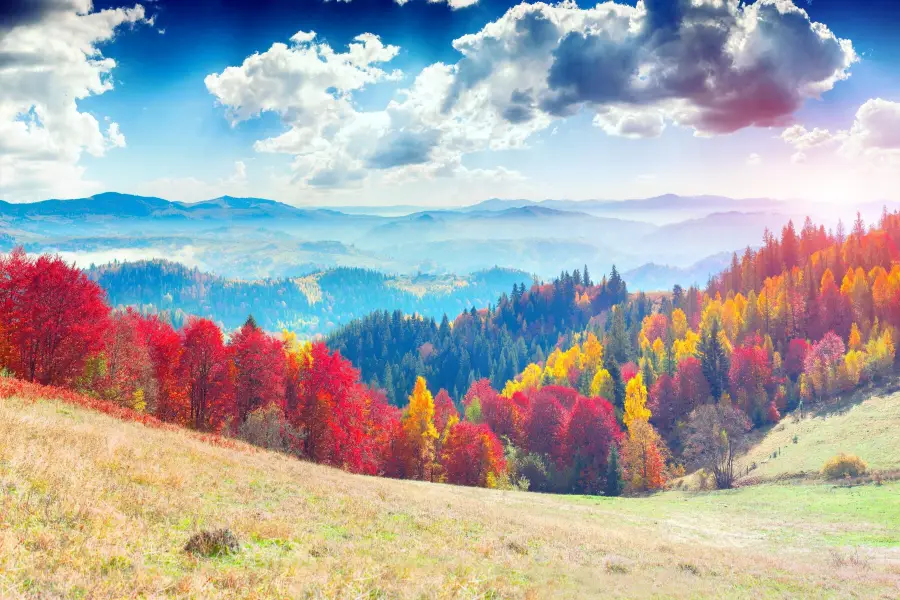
(93, 505)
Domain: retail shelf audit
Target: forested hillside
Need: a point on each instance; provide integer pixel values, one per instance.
(308, 306)
(392, 349)
(614, 393)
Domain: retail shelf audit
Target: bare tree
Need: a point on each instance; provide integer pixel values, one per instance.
(713, 438)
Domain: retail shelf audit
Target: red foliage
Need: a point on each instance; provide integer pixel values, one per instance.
(259, 370)
(164, 345)
(444, 409)
(750, 377)
(656, 327)
(480, 389)
(545, 423)
(591, 431)
(470, 453)
(566, 396)
(205, 375)
(691, 386)
(123, 371)
(795, 357)
(52, 317)
(628, 370)
(772, 413)
(340, 421)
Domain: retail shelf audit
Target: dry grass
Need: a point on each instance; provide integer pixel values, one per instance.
(93, 507)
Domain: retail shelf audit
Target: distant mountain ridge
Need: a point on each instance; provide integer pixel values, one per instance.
(310, 305)
(258, 237)
(129, 205)
(115, 205)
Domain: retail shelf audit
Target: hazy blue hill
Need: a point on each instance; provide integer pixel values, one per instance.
(656, 277)
(310, 305)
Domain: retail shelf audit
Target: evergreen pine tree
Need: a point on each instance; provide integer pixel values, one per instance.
(615, 482)
(714, 361)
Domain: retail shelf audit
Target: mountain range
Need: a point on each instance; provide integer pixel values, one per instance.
(256, 237)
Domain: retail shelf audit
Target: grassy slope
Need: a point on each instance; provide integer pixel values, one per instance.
(869, 428)
(95, 507)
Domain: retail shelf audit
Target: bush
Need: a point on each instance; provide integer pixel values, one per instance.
(213, 543)
(266, 427)
(844, 465)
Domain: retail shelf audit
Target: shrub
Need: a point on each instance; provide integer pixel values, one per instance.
(844, 465)
(213, 543)
(266, 427)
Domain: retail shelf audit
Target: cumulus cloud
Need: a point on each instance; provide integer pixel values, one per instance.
(754, 160)
(49, 60)
(715, 66)
(874, 135)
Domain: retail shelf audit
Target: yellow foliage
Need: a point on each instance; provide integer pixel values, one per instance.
(529, 379)
(636, 401)
(687, 347)
(420, 432)
(592, 353)
(679, 324)
(602, 385)
(844, 465)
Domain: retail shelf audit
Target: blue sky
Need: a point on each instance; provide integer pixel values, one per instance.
(793, 112)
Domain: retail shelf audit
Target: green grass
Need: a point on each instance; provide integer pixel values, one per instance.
(869, 428)
(91, 507)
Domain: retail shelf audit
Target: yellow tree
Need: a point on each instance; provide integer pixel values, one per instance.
(635, 401)
(420, 433)
(529, 379)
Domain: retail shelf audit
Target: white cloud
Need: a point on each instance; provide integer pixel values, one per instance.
(754, 160)
(874, 135)
(716, 66)
(49, 60)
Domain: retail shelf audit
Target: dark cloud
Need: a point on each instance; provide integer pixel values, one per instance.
(14, 13)
(715, 66)
(521, 107)
(403, 148)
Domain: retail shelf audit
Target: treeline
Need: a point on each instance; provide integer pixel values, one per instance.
(57, 329)
(612, 392)
(308, 306)
(392, 349)
(776, 329)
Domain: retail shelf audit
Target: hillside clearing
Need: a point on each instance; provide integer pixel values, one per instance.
(868, 428)
(96, 507)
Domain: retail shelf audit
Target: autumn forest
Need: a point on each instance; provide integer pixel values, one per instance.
(573, 385)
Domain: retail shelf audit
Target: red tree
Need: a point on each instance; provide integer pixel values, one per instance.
(545, 424)
(259, 363)
(749, 377)
(164, 345)
(691, 386)
(123, 372)
(590, 433)
(795, 357)
(52, 317)
(341, 422)
(204, 374)
(472, 454)
(444, 409)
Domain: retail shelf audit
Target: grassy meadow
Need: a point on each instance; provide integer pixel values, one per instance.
(866, 423)
(94, 507)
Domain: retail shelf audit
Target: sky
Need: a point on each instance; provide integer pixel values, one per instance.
(374, 102)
